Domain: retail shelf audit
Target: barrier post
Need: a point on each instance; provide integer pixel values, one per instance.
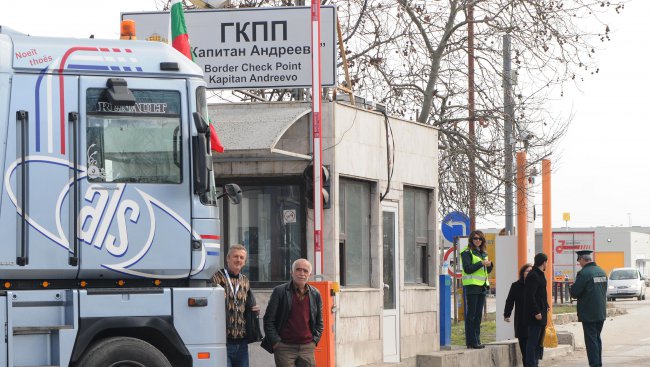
(445, 310)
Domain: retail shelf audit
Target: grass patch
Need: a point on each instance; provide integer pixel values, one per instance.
(558, 309)
(488, 330)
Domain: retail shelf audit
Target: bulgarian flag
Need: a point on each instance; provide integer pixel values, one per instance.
(181, 42)
(180, 39)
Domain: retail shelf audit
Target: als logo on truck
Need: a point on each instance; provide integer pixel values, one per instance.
(122, 222)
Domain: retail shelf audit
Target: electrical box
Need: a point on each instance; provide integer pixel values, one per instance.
(325, 348)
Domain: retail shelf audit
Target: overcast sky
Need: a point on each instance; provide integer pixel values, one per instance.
(599, 171)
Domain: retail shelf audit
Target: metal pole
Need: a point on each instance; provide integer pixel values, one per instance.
(317, 136)
(547, 228)
(454, 281)
(470, 108)
(522, 210)
(508, 118)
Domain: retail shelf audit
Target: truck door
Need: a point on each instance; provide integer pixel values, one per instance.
(35, 205)
(134, 217)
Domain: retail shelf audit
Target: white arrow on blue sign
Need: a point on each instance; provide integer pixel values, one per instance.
(455, 224)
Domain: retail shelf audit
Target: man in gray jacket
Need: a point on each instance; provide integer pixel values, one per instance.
(293, 321)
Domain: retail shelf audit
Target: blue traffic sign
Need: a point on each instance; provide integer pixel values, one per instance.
(455, 224)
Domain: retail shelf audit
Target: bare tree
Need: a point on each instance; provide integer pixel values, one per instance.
(412, 56)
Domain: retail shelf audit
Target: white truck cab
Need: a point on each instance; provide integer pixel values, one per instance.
(109, 223)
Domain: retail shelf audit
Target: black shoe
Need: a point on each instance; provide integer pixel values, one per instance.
(476, 346)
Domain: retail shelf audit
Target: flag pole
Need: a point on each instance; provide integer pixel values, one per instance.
(316, 136)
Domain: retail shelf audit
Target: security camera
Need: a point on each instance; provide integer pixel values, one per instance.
(526, 135)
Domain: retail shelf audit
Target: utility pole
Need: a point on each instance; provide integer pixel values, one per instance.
(508, 119)
(471, 113)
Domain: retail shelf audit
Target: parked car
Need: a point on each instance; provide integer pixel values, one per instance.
(625, 283)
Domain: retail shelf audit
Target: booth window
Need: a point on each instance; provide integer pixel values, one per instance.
(270, 223)
(354, 232)
(416, 210)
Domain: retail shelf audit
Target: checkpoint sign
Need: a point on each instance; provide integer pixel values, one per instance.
(455, 224)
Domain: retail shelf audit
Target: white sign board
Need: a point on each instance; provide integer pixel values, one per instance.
(250, 48)
(506, 259)
(565, 245)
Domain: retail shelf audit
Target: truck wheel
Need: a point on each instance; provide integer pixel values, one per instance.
(123, 352)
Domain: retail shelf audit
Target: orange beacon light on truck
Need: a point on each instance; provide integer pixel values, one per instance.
(127, 29)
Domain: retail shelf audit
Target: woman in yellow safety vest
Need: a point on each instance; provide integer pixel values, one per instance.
(476, 267)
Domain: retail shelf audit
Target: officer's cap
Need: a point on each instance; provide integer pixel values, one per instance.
(583, 252)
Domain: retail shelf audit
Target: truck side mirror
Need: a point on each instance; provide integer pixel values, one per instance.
(201, 155)
(234, 193)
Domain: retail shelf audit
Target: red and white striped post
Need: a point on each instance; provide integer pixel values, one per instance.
(316, 135)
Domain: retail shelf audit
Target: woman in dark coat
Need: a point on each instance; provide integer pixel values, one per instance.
(516, 299)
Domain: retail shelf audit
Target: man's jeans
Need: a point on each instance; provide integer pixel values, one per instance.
(237, 353)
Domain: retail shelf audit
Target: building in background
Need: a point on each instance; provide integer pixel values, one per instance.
(614, 247)
(380, 232)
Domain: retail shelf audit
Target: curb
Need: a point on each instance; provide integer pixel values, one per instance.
(567, 318)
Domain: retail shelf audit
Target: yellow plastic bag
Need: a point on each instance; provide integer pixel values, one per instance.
(550, 336)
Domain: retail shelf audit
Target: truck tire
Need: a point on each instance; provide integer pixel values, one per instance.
(123, 352)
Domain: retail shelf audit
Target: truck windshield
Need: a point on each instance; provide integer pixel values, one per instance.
(134, 144)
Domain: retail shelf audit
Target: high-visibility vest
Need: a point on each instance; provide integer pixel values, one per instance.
(479, 277)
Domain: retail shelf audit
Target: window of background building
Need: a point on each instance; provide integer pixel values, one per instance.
(416, 213)
(270, 223)
(354, 232)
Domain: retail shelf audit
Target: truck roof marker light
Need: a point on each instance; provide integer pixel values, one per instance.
(121, 283)
(203, 355)
(83, 284)
(197, 302)
(7, 285)
(127, 29)
(45, 284)
(169, 66)
(157, 282)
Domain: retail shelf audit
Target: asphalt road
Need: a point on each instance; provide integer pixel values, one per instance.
(626, 338)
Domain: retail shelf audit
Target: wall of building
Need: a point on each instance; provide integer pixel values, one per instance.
(639, 248)
(360, 152)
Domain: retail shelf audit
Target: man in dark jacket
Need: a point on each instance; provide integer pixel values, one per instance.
(293, 321)
(536, 306)
(590, 288)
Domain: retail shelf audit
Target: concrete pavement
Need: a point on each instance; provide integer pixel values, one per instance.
(626, 339)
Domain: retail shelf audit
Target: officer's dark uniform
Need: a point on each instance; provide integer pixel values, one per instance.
(590, 288)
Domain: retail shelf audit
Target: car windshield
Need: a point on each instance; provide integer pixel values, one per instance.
(623, 274)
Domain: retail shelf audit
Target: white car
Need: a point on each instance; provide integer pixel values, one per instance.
(625, 283)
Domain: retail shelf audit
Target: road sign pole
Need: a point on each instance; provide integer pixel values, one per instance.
(454, 283)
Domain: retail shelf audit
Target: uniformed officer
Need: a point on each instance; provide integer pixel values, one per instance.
(590, 288)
